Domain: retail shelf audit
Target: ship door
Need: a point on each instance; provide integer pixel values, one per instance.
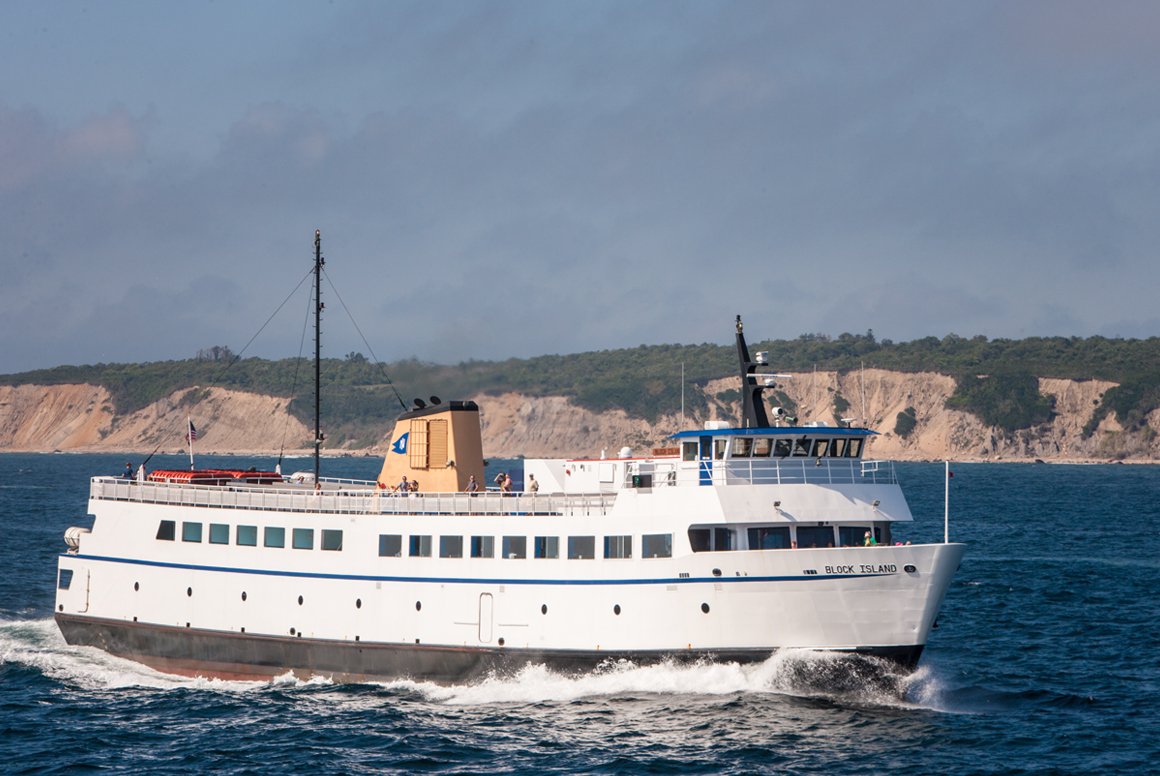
(485, 607)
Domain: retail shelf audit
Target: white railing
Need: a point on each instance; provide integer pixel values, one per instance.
(767, 471)
(336, 499)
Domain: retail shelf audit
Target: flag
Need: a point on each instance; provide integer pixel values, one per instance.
(192, 435)
(950, 474)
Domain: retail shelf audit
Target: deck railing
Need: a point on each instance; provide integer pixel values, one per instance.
(347, 497)
(764, 471)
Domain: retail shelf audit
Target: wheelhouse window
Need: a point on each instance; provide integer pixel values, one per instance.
(837, 448)
(820, 447)
(581, 547)
(781, 448)
(547, 547)
(275, 537)
(801, 448)
(719, 449)
(618, 547)
(246, 536)
(656, 546)
(390, 546)
(688, 451)
(420, 547)
(769, 538)
(854, 449)
(706, 447)
(332, 540)
(219, 534)
(304, 538)
(450, 546)
(191, 532)
(742, 446)
(167, 531)
(762, 447)
(483, 546)
(515, 547)
(809, 536)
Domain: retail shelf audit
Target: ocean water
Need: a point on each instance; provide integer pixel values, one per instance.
(1045, 661)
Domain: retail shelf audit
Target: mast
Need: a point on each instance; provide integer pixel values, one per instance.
(317, 349)
(752, 406)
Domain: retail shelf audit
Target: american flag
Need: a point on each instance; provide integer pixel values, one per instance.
(192, 435)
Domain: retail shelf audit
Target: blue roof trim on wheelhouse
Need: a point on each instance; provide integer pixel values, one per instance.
(795, 431)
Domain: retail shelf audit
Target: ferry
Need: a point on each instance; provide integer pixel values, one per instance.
(729, 544)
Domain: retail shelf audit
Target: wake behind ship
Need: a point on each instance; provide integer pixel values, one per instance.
(731, 544)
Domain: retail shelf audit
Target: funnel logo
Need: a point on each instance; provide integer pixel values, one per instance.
(400, 444)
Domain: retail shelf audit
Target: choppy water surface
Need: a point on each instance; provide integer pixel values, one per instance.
(1045, 661)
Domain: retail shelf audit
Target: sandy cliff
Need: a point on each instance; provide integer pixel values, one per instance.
(80, 418)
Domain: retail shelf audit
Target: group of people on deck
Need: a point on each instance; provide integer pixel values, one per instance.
(505, 483)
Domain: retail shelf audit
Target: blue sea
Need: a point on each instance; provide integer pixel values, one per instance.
(1046, 660)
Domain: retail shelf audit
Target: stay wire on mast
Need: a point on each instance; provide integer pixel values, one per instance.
(236, 359)
(378, 363)
(297, 366)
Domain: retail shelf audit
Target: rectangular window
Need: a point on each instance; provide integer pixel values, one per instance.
(656, 546)
(769, 538)
(762, 448)
(801, 448)
(304, 538)
(722, 539)
(854, 449)
(332, 540)
(420, 547)
(781, 448)
(450, 546)
(706, 448)
(618, 547)
(700, 540)
(547, 547)
(219, 534)
(167, 530)
(581, 547)
(809, 536)
(275, 537)
(65, 579)
(741, 447)
(483, 546)
(820, 446)
(515, 547)
(390, 545)
(191, 532)
(719, 449)
(246, 536)
(688, 451)
(837, 448)
(855, 535)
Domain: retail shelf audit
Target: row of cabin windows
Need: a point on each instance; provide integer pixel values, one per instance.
(247, 535)
(719, 539)
(516, 547)
(765, 447)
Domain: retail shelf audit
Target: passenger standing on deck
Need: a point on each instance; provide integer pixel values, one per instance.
(533, 486)
(128, 473)
(499, 478)
(506, 485)
(472, 485)
(403, 485)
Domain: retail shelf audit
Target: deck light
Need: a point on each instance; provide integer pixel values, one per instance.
(876, 503)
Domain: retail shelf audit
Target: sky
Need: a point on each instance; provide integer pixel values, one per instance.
(508, 179)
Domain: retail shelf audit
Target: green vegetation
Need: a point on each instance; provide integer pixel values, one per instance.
(1009, 401)
(840, 407)
(646, 382)
(905, 422)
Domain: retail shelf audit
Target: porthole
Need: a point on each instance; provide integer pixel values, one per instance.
(243, 595)
(136, 586)
(418, 605)
(716, 572)
(909, 569)
(61, 608)
(189, 591)
(358, 603)
(616, 609)
(300, 600)
(292, 631)
(501, 641)
(544, 609)
(705, 608)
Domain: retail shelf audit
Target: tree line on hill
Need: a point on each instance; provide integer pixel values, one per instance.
(996, 379)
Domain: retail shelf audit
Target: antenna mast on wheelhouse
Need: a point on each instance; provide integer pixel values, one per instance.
(318, 262)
